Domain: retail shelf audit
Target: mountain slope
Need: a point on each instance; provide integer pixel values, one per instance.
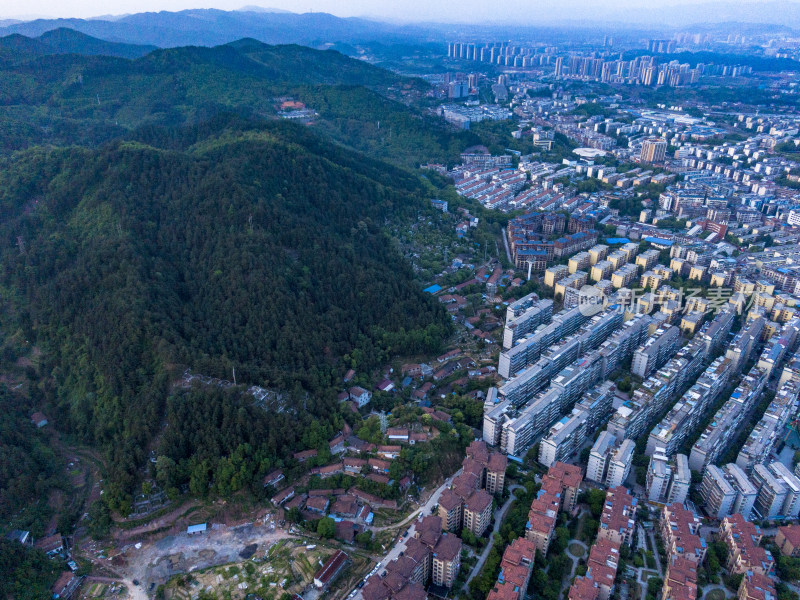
(251, 247)
(68, 99)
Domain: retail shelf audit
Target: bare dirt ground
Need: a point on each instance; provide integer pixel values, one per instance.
(153, 563)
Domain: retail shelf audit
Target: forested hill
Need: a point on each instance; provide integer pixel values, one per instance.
(17, 48)
(89, 100)
(231, 244)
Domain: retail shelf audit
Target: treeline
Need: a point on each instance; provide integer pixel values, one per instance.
(28, 467)
(250, 250)
(26, 573)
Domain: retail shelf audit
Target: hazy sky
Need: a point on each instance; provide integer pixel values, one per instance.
(405, 10)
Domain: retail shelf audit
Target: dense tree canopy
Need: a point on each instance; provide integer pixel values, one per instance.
(258, 248)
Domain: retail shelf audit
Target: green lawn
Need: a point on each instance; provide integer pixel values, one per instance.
(715, 595)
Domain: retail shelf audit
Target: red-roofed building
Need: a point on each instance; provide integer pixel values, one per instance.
(756, 586)
(583, 588)
(788, 540)
(679, 528)
(744, 553)
(618, 518)
(680, 581)
(330, 569)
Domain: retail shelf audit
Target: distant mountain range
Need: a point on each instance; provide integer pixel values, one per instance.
(215, 27)
(211, 27)
(66, 41)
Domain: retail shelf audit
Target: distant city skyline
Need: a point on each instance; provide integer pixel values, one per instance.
(519, 12)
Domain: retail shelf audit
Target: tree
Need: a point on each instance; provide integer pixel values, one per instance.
(326, 527)
(364, 538)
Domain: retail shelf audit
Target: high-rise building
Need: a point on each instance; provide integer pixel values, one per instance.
(654, 150)
(619, 465)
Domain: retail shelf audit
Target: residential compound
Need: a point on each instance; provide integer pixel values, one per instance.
(722, 429)
(616, 528)
(682, 420)
(559, 491)
(529, 403)
(467, 504)
(659, 390)
(431, 556)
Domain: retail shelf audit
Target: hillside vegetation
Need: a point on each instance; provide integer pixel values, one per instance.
(231, 245)
(89, 100)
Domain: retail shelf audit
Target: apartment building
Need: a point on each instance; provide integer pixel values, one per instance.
(554, 274)
(679, 530)
(682, 420)
(618, 517)
(446, 561)
(568, 434)
(477, 510)
(717, 493)
(788, 540)
(467, 503)
(597, 253)
(526, 322)
(523, 350)
(756, 586)
(746, 492)
(575, 281)
(745, 343)
(791, 504)
(772, 492)
(617, 259)
(744, 552)
(579, 262)
(601, 566)
(769, 430)
(656, 351)
(602, 449)
(680, 580)
(623, 276)
(619, 464)
(668, 480)
(559, 491)
(725, 425)
(431, 556)
(647, 259)
(515, 571)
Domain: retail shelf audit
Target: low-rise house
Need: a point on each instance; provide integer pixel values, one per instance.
(318, 504)
(304, 455)
(330, 569)
(360, 396)
(283, 496)
(274, 478)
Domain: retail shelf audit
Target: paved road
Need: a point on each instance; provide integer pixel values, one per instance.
(400, 546)
(499, 515)
(655, 553)
(508, 252)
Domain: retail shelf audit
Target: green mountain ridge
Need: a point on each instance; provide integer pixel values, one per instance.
(254, 246)
(17, 48)
(89, 100)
